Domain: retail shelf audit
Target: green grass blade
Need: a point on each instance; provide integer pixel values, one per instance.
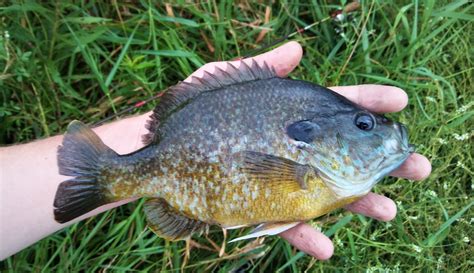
(437, 237)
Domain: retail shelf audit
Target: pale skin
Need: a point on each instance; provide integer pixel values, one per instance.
(29, 174)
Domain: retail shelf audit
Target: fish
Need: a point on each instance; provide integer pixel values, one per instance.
(235, 148)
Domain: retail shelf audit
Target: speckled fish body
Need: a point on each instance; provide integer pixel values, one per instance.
(255, 149)
(195, 166)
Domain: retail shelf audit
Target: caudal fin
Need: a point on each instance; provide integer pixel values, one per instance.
(82, 155)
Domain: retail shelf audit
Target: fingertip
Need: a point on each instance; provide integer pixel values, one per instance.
(295, 53)
(283, 58)
(390, 210)
(424, 166)
(328, 250)
(399, 97)
(375, 206)
(321, 246)
(416, 167)
(384, 98)
(295, 46)
(294, 50)
(377, 98)
(307, 239)
(405, 98)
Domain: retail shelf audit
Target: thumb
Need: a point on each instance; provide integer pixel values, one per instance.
(283, 59)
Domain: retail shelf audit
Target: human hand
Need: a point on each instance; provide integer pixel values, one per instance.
(30, 196)
(284, 59)
(377, 98)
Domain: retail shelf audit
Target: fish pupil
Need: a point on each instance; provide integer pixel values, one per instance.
(364, 122)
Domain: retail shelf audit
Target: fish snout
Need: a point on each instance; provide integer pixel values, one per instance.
(402, 129)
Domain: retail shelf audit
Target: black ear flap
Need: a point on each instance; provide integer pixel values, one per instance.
(303, 130)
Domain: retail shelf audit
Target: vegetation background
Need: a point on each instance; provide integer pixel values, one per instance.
(65, 60)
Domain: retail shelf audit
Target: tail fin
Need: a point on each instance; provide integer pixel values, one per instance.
(82, 155)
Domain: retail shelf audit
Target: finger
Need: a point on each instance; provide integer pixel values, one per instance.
(416, 167)
(376, 98)
(283, 59)
(375, 206)
(307, 239)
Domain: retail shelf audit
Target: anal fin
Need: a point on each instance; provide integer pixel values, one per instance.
(266, 229)
(235, 227)
(169, 223)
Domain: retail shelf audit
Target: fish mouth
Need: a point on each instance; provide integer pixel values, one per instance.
(410, 148)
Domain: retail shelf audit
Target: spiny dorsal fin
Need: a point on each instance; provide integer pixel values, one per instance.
(168, 223)
(177, 96)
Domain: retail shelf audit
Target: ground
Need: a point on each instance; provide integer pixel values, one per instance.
(63, 61)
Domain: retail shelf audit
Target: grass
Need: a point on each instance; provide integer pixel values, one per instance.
(86, 60)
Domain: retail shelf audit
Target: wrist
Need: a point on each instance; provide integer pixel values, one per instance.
(30, 178)
(125, 135)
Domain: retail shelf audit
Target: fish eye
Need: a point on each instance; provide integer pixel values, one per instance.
(364, 121)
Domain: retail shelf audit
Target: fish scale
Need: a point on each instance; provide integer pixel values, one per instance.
(238, 147)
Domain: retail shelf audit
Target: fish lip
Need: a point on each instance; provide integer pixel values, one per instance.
(410, 148)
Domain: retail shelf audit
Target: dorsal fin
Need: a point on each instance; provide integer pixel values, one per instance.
(177, 96)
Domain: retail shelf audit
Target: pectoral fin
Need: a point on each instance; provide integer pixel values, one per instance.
(266, 229)
(168, 223)
(281, 174)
